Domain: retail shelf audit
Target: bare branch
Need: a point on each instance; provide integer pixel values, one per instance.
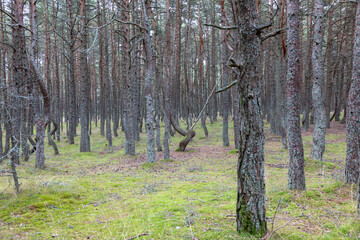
(263, 27)
(272, 34)
(131, 23)
(202, 110)
(137, 236)
(220, 27)
(7, 44)
(227, 87)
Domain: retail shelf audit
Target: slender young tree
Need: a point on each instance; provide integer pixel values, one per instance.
(225, 75)
(296, 152)
(71, 90)
(107, 76)
(202, 83)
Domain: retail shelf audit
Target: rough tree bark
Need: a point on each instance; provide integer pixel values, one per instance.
(128, 120)
(329, 67)
(296, 178)
(202, 84)
(19, 72)
(167, 86)
(85, 81)
(250, 206)
(106, 76)
(318, 147)
(308, 71)
(353, 113)
(149, 121)
(71, 66)
(225, 76)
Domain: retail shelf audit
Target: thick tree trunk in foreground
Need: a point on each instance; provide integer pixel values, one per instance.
(250, 207)
(353, 114)
(318, 147)
(296, 152)
(19, 71)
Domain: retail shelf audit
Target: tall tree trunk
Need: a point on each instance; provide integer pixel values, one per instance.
(85, 83)
(57, 110)
(115, 82)
(250, 207)
(329, 67)
(149, 124)
(308, 71)
(20, 79)
(71, 66)
(167, 84)
(296, 178)
(107, 76)
(202, 83)
(128, 118)
(318, 147)
(2, 81)
(213, 105)
(225, 76)
(353, 113)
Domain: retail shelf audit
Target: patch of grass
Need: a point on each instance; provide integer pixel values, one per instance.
(106, 194)
(234, 151)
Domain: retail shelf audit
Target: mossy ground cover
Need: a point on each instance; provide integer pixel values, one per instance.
(105, 194)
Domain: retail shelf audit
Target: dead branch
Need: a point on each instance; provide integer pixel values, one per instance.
(227, 87)
(203, 109)
(131, 23)
(137, 236)
(269, 235)
(263, 27)
(272, 34)
(220, 27)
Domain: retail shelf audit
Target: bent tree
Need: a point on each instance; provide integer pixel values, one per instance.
(250, 207)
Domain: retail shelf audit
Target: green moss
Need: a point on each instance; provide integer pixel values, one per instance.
(114, 196)
(167, 160)
(234, 151)
(312, 194)
(248, 224)
(149, 165)
(333, 187)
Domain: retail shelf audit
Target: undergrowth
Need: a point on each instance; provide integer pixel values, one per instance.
(106, 194)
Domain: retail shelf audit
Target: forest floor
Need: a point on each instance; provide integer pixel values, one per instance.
(105, 194)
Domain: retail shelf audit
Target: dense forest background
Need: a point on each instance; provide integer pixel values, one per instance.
(160, 67)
